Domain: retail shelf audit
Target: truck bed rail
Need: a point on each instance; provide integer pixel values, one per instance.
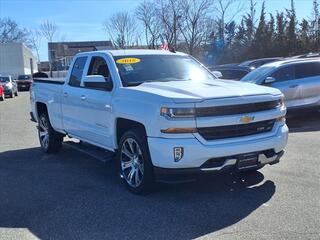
(50, 80)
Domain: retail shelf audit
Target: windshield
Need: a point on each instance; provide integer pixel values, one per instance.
(4, 79)
(256, 74)
(23, 77)
(135, 70)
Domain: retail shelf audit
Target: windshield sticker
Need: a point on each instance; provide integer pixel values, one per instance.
(128, 60)
(128, 67)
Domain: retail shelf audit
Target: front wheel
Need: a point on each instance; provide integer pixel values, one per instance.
(50, 140)
(135, 167)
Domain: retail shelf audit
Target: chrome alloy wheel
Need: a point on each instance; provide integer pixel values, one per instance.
(43, 132)
(132, 165)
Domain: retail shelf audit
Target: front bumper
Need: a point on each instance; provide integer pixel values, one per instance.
(196, 154)
(228, 164)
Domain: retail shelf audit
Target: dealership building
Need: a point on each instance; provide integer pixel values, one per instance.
(16, 59)
(61, 53)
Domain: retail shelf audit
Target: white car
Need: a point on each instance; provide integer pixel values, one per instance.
(163, 113)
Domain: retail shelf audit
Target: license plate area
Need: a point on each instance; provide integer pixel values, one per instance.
(247, 161)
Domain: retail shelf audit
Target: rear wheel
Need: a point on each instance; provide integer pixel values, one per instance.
(135, 167)
(2, 97)
(16, 93)
(50, 140)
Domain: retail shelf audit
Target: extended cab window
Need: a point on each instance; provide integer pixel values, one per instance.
(77, 71)
(284, 74)
(98, 66)
(305, 70)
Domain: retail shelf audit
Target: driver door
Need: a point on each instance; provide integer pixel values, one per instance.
(285, 81)
(96, 105)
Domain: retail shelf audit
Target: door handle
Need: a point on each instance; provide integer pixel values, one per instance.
(293, 86)
(65, 94)
(83, 97)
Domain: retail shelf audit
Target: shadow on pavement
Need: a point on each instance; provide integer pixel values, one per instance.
(72, 196)
(303, 121)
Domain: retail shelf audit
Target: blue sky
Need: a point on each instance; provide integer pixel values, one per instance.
(81, 20)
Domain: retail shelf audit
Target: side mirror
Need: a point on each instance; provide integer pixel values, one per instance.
(269, 80)
(98, 82)
(217, 74)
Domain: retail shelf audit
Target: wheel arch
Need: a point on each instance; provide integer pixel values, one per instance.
(123, 124)
(41, 107)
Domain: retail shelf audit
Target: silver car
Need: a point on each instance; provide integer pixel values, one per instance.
(9, 85)
(298, 80)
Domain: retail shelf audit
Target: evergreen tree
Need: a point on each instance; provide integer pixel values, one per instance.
(260, 40)
(304, 39)
(291, 30)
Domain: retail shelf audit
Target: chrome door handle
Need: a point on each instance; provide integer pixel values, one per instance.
(83, 97)
(108, 107)
(293, 86)
(65, 94)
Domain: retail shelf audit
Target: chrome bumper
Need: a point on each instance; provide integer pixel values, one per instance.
(262, 160)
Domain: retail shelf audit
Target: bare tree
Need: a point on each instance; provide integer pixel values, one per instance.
(147, 14)
(34, 40)
(169, 13)
(49, 30)
(122, 30)
(225, 16)
(193, 24)
(11, 32)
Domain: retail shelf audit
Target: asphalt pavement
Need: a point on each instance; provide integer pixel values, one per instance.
(76, 195)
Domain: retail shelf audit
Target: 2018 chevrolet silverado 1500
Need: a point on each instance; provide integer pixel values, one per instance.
(163, 113)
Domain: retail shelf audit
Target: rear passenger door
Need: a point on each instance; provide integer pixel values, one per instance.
(308, 75)
(72, 113)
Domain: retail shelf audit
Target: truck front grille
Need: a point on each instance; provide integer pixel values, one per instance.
(236, 109)
(240, 130)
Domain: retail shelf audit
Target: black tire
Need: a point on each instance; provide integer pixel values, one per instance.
(16, 93)
(2, 97)
(54, 139)
(147, 180)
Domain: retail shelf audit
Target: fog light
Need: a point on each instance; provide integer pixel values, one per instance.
(178, 153)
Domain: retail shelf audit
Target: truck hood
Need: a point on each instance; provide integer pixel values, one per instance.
(193, 91)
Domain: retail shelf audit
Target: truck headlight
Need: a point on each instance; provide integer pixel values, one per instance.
(177, 112)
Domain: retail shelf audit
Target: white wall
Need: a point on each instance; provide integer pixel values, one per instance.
(15, 59)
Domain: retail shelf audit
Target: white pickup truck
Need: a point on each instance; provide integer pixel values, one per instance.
(163, 113)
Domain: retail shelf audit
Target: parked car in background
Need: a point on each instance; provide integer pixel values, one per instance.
(1, 92)
(236, 71)
(9, 85)
(297, 79)
(308, 55)
(163, 113)
(24, 82)
(255, 63)
(233, 72)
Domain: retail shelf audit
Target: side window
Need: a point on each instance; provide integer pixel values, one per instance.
(305, 70)
(284, 74)
(77, 70)
(98, 66)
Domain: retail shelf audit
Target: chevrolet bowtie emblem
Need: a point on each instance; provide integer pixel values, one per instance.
(246, 119)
